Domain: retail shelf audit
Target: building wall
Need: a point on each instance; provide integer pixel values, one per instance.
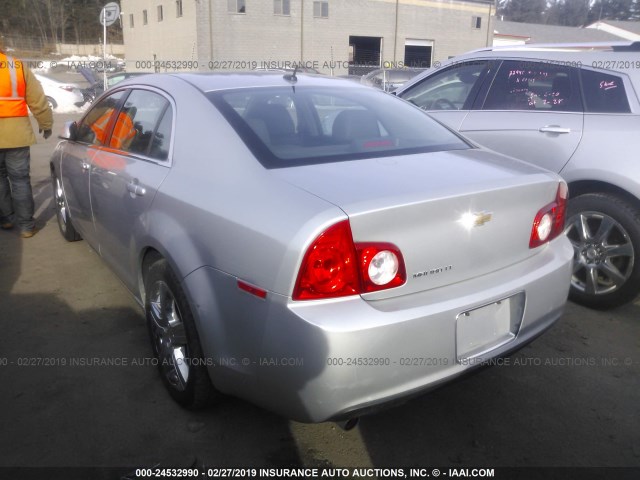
(174, 39)
(89, 49)
(448, 23)
(220, 40)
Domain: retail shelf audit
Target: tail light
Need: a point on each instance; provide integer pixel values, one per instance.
(549, 221)
(334, 266)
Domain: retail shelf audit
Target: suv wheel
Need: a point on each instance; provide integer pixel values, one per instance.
(605, 233)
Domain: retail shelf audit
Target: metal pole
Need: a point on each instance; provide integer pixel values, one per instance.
(301, 30)
(395, 33)
(104, 50)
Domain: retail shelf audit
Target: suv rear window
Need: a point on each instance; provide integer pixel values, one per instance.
(291, 126)
(604, 93)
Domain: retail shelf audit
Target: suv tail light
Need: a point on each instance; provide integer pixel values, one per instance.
(334, 266)
(549, 221)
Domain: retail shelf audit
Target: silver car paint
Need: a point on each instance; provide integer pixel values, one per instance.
(385, 201)
(231, 219)
(416, 326)
(520, 135)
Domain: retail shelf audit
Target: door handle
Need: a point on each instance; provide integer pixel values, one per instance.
(85, 166)
(136, 189)
(554, 129)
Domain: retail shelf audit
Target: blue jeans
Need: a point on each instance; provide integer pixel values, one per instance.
(16, 197)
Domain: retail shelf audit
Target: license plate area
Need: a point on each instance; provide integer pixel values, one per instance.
(485, 328)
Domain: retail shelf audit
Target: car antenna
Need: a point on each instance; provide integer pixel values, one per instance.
(291, 77)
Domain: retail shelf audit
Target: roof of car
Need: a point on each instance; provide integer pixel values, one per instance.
(574, 47)
(207, 82)
(613, 56)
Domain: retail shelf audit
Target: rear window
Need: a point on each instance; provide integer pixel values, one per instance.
(291, 126)
(604, 93)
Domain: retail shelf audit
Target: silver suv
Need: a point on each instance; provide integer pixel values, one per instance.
(573, 109)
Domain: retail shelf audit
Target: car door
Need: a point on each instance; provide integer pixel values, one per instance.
(532, 111)
(126, 174)
(78, 156)
(449, 93)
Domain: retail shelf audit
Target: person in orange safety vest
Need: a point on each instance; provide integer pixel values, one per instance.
(123, 133)
(20, 91)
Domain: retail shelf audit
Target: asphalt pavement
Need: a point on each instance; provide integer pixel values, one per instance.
(571, 398)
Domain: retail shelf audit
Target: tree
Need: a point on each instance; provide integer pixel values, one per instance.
(53, 21)
(568, 12)
(614, 10)
(526, 11)
(572, 13)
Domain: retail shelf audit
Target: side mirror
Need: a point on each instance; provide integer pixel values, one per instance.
(69, 131)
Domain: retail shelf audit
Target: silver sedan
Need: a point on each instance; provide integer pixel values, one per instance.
(309, 244)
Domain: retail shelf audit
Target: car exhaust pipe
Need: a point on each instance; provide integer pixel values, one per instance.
(349, 424)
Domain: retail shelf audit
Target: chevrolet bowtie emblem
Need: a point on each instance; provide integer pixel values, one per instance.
(480, 218)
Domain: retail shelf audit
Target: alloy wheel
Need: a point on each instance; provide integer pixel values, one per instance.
(61, 206)
(169, 336)
(603, 253)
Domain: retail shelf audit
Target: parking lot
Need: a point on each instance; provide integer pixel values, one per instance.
(571, 398)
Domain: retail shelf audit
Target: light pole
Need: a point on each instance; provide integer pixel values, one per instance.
(108, 16)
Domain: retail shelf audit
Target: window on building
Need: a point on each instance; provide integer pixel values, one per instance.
(236, 6)
(145, 18)
(321, 8)
(178, 8)
(282, 7)
(476, 22)
(160, 13)
(131, 20)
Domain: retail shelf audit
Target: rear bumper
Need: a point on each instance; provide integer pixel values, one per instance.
(329, 360)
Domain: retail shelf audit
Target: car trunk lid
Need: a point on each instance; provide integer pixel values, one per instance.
(453, 215)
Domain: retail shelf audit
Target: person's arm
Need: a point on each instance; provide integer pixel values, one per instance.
(37, 101)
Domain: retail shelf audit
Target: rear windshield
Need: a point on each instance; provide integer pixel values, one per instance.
(292, 126)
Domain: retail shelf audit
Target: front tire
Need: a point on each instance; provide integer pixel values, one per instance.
(605, 233)
(174, 339)
(65, 225)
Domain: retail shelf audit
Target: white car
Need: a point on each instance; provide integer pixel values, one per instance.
(61, 96)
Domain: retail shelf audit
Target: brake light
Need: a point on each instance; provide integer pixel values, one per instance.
(549, 221)
(334, 266)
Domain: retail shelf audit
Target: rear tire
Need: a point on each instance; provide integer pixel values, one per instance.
(175, 340)
(65, 225)
(605, 233)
